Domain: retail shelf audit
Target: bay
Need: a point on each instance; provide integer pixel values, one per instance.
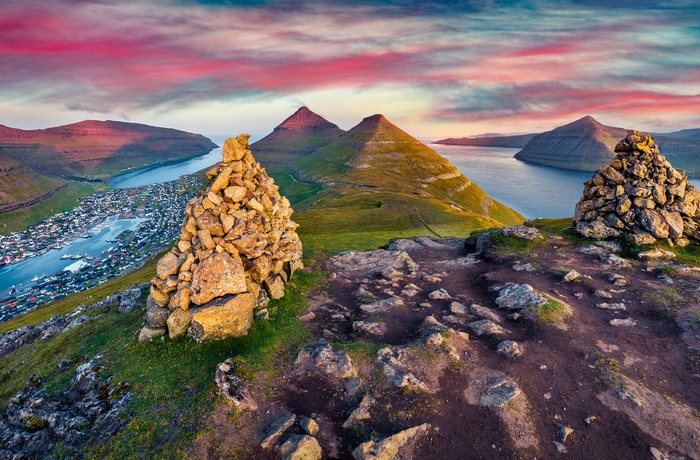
(534, 191)
(50, 262)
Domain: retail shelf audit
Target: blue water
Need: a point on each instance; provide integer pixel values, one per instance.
(532, 190)
(50, 262)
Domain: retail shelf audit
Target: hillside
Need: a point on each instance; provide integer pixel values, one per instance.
(512, 142)
(98, 149)
(21, 187)
(374, 180)
(587, 145)
(424, 336)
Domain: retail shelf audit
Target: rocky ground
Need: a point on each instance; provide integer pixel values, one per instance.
(505, 348)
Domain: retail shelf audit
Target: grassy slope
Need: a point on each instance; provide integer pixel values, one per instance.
(63, 200)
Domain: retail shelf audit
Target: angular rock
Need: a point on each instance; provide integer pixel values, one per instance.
(309, 425)
(277, 428)
(390, 448)
(656, 253)
(228, 316)
(509, 349)
(522, 231)
(178, 323)
(336, 365)
(484, 312)
(611, 306)
(570, 276)
(627, 322)
(486, 327)
(301, 447)
(217, 275)
(360, 413)
(440, 294)
(382, 305)
(519, 296)
(274, 286)
(499, 391)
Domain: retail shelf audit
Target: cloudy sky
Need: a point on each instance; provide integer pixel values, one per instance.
(434, 69)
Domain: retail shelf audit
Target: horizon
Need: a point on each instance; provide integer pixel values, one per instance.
(434, 70)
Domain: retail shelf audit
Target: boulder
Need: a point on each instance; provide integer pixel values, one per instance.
(231, 386)
(228, 316)
(217, 275)
(301, 447)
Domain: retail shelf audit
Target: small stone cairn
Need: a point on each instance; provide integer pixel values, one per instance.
(640, 196)
(237, 248)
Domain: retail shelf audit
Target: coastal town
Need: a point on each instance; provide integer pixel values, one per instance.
(159, 208)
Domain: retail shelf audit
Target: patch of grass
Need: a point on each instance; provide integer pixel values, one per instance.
(666, 297)
(697, 317)
(552, 311)
(607, 365)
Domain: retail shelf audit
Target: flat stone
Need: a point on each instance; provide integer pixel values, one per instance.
(499, 392)
(570, 276)
(519, 296)
(370, 327)
(361, 413)
(484, 312)
(656, 253)
(382, 305)
(611, 306)
(522, 231)
(168, 265)
(277, 428)
(457, 308)
(274, 286)
(627, 322)
(603, 294)
(486, 327)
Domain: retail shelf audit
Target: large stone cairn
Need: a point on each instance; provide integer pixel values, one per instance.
(237, 248)
(639, 195)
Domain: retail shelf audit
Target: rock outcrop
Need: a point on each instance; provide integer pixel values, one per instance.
(237, 248)
(639, 195)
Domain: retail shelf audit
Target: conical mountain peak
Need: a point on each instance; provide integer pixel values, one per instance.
(306, 120)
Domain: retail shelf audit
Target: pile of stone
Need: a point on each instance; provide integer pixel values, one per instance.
(639, 196)
(237, 248)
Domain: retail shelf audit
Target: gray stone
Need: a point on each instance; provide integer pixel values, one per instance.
(570, 276)
(522, 231)
(440, 294)
(656, 253)
(484, 312)
(509, 349)
(231, 386)
(499, 391)
(382, 305)
(148, 333)
(309, 425)
(519, 296)
(361, 413)
(486, 327)
(337, 365)
(627, 322)
(277, 428)
(611, 306)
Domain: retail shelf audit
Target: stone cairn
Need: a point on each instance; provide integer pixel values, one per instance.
(237, 248)
(639, 196)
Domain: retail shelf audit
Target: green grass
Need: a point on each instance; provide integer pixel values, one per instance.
(553, 311)
(64, 200)
(172, 380)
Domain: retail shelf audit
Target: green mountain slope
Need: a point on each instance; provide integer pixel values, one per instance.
(375, 182)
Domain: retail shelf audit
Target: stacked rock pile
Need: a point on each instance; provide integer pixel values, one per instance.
(237, 248)
(639, 195)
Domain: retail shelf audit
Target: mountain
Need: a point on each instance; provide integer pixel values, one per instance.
(304, 130)
(584, 144)
(682, 134)
(587, 145)
(374, 179)
(20, 186)
(514, 142)
(98, 149)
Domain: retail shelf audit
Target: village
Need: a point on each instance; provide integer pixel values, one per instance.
(160, 205)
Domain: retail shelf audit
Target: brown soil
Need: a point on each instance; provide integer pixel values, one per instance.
(564, 372)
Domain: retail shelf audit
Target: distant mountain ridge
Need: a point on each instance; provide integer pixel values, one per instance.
(514, 142)
(588, 145)
(99, 148)
(375, 173)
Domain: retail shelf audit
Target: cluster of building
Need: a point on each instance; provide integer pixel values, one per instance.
(162, 206)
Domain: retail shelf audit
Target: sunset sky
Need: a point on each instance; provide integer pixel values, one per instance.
(435, 69)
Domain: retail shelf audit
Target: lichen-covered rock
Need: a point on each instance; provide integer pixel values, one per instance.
(390, 448)
(638, 195)
(236, 236)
